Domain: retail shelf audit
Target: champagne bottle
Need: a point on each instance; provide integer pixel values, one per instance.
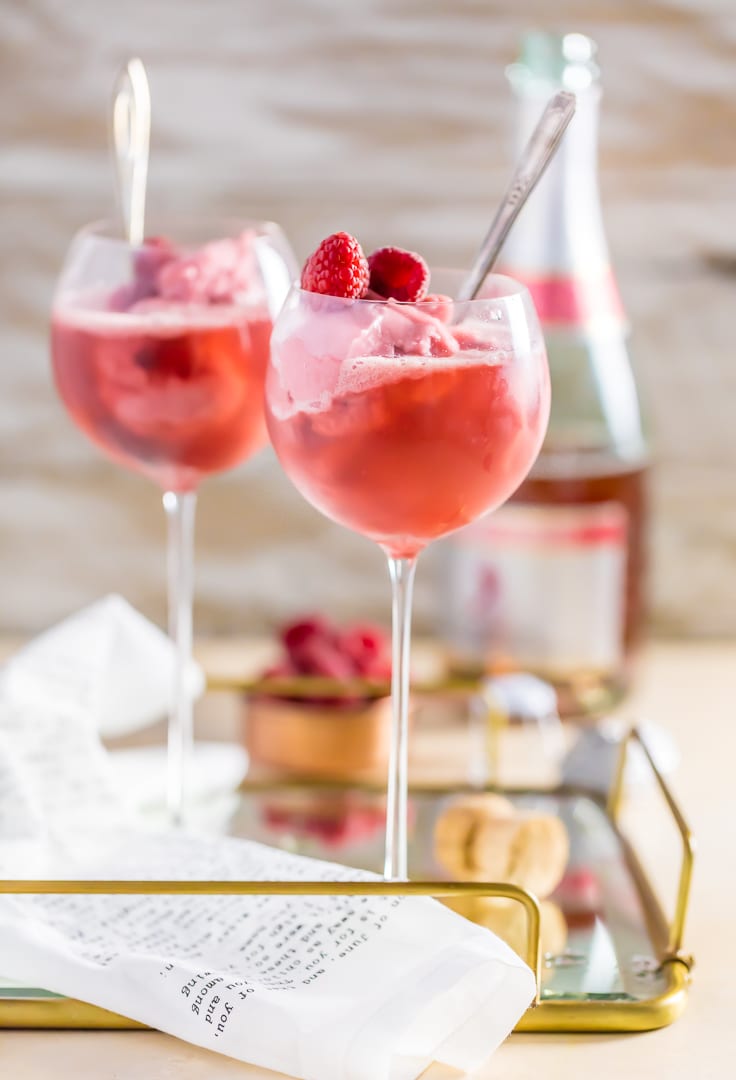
(553, 582)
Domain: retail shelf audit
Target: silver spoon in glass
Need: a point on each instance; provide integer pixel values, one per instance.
(131, 135)
(130, 130)
(535, 158)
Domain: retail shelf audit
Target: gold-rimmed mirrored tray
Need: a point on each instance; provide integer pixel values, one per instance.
(608, 960)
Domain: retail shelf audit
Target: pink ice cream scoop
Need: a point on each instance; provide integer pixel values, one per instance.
(216, 274)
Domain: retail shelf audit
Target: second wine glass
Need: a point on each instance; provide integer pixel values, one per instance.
(404, 422)
(159, 353)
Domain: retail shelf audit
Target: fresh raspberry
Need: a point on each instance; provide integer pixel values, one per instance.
(368, 648)
(315, 656)
(297, 633)
(338, 268)
(378, 669)
(398, 274)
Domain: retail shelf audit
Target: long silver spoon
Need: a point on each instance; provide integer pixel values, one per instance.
(131, 137)
(535, 158)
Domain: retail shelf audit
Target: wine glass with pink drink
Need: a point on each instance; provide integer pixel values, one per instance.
(404, 416)
(159, 353)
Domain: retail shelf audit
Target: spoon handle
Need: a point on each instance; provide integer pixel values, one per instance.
(131, 135)
(535, 158)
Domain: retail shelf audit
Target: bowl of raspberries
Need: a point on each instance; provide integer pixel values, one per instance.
(323, 709)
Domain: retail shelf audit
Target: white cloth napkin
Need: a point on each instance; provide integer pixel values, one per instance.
(216, 767)
(322, 987)
(107, 660)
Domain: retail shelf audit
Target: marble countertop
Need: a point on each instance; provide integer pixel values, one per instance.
(690, 690)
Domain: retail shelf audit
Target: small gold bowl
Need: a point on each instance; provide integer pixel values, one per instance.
(316, 740)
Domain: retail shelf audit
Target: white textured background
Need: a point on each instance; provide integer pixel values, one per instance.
(389, 118)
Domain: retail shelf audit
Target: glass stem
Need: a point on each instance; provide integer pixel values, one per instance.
(402, 583)
(180, 509)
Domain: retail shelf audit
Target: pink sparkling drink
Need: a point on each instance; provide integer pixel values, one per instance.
(434, 426)
(159, 352)
(175, 394)
(404, 421)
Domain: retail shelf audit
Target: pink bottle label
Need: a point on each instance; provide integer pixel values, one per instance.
(582, 301)
(544, 585)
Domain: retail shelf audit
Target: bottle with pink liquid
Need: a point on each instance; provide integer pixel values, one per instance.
(553, 582)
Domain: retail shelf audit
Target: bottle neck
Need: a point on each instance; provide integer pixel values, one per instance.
(558, 246)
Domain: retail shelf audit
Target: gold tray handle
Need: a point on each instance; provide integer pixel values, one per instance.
(615, 800)
(504, 891)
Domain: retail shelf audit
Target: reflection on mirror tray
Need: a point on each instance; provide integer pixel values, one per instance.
(596, 937)
(600, 938)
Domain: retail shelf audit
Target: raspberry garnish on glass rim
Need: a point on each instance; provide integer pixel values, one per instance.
(338, 267)
(397, 274)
